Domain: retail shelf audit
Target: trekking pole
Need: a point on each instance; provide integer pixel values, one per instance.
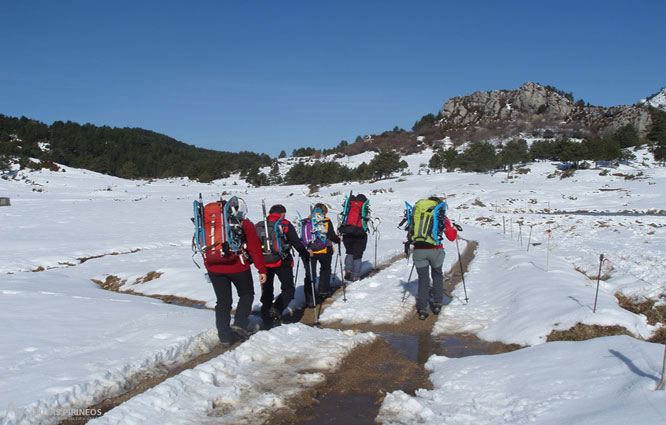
(376, 227)
(263, 208)
(462, 273)
(601, 261)
(344, 282)
(314, 298)
(404, 293)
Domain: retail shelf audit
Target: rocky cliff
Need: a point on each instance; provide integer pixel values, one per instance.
(535, 109)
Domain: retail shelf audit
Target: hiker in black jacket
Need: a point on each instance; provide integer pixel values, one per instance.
(272, 312)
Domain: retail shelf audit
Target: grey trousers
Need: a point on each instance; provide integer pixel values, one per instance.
(432, 259)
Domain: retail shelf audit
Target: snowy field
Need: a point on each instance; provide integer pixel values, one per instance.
(67, 343)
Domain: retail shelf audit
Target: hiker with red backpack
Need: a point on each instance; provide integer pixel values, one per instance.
(318, 235)
(278, 236)
(426, 221)
(227, 241)
(354, 229)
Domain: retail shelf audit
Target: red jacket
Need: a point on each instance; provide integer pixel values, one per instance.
(253, 248)
(450, 232)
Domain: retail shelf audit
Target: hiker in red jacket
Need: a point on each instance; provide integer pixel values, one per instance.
(273, 312)
(235, 268)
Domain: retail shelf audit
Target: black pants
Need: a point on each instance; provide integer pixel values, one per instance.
(355, 245)
(286, 275)
(325, 261)
(354, 248)
(222, 286)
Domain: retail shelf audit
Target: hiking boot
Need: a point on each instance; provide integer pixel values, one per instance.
(288, 315)
(423, 314)
(436, 308)
(323, 296)
(273, 313)
(241, 333)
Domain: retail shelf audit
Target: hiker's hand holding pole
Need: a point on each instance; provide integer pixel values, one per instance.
(262, 278)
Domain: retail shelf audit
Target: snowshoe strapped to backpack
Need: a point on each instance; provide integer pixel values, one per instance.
(314, 230)
(218, 233)
(426, 222)
(355, 215)
(273, 237)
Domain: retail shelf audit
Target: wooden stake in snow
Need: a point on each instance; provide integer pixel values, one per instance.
(548, 251)
(504, 224)
(529, 239)
(601, 262)
(662, 383)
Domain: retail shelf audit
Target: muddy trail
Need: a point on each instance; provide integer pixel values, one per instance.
(353, 393)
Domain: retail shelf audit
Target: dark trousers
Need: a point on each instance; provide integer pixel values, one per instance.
(222, 286)
(286, 275)
(310, 267)
(354, 248)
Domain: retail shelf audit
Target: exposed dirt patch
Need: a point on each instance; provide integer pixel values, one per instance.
(654, 313)
(582, 332)
(115, 284)
(148, 277)
(84, 259)
(144, 381)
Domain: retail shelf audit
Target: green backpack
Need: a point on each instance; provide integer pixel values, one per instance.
(426, 222)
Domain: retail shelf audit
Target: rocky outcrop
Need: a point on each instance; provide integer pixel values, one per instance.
(534, 107)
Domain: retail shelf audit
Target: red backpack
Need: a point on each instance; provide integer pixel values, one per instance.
(219, 235)
(355, 215)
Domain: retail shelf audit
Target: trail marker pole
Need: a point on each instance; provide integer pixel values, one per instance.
(504, 224)
(548, 251)
(529, 239)
(601, 262)
(662, 382)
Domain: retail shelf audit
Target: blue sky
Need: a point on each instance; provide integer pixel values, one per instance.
(265, 76)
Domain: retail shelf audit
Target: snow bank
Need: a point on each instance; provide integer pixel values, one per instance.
(609, 381)
(244, 385)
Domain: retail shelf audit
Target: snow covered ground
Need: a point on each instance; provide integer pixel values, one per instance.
(68, 343)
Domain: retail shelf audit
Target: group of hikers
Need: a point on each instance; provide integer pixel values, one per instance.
(229, 243)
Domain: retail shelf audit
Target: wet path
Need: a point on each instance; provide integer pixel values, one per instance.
(354, 393)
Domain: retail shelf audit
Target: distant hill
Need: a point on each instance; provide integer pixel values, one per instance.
(533, 109)
(122, 152)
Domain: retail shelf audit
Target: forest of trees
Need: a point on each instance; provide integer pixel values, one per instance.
(483, 156)
(385, 163)
(122, 152)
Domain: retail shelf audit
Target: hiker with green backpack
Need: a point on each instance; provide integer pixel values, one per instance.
(426, 221)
